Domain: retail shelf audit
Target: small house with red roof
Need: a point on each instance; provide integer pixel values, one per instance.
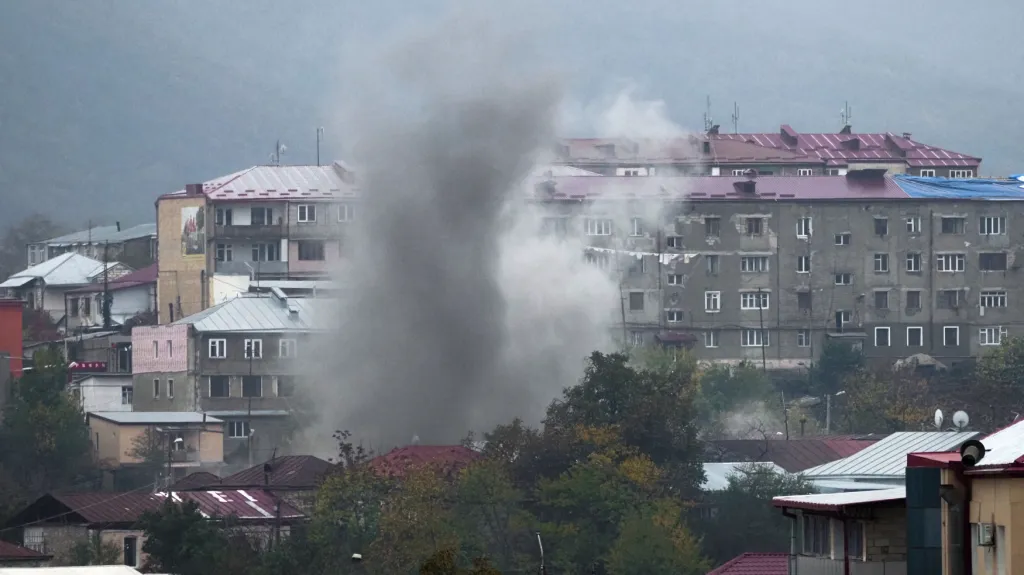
(14, 555)
(755, 564)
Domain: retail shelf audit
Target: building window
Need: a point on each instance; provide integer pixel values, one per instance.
(636, 227)
(268, 252)
(845, 316)
(993, 298)
(712, 264)
(597, 226)
(803, 300)
(948, 299)
(131, 551)
(224, 252)
(220, 386)
(674, 316)
(156, 350)
(913, 262)
(855, 539)
(833, 172)
(674, 242)
(636, 301)
(961, 173)
(307, 213)
(913, 225)
(927, 173)
(844, 279)
(639, 267)
(803, 338)
(803, 228)
(286, 386)
(882, 299)
(346, 212)
(252, 386)
(817, 535)
(238, 429)
(803, 264)
(914, 300)
(754, 264)
(156, 389)
(881, 263)
(711, 338)
(739, 172)
(675, 279)
(636, 338)
(312, 251)
(754, 338)
(881, 226)
(170, 389)
(992, 262)
(170, 348)
(599, 259)
(951, 262)
(755, 226)
(253, 348)
(915, 336)
(953, 225)
(73, 304)
(287, 348)
(261, 216)
(222, 216)
(881, 337)
(991, 335)
(126, 395)
(804, 172)
(951, 336)
(555, 226)
(87, 306)
(992, 226)
(712, 227)
(218, 348)
(754, 300)
(712, 301)
(843, 239)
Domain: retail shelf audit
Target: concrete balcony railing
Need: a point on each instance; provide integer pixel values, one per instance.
(825, 566)
(259, 232)
(245, 268)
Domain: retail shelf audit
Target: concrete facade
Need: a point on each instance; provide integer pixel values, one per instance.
(181, 276)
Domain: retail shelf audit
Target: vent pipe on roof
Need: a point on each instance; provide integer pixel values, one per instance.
(118, 224)
(280, 295)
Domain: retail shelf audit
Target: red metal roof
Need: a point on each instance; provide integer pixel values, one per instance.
(289, 472)
(688, 150)
(12, 552)
(794, 455)
(197, 480)
(448, 458)
(840, 149)
(146, 275)
(755, 564)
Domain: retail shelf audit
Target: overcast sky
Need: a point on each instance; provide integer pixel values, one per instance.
(104, 104)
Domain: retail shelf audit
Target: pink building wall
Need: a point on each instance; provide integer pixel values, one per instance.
(149, 359)
(332, 253)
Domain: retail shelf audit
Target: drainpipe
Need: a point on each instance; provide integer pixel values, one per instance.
(792, 540)
(846, 544)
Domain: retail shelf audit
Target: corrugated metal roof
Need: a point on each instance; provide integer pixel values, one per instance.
(793, 455)
(145, 276)
(64, 270)
(281, 182)
(153, 417)
(267, 313)
(100, 234)
(960, 189)
(12, 552)
(834, 501)
(197, 480)
(1004, 447)
(755, 564)
(888, 457)
(716, 475)
(106, 507)
(447, 457)
(289, 471)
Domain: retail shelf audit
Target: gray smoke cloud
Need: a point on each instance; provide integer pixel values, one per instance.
(459, 315)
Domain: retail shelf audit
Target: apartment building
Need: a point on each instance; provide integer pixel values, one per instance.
(238, 361)
(134, 246)
(263, 223)
(766, 269)
(783, 153)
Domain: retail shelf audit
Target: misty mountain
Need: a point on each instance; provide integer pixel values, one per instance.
(106, 104)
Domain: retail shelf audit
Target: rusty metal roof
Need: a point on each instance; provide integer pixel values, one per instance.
(286, 472)
(398, 461)
(688, 150)
(794, 455)
(12, 552)
(755, 564)
(197, 480)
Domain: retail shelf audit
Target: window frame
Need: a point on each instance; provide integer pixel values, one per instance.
(224, 252)
(881, 263)
(346, 212)
(712, 264)
(888, 336)
(992, 335)
(674, 242)
(642, 300)
(156, 388)
(288, 348)
(598, 227)
(170, 388)
(950, 329)
(805, 171)
(712, 227)
(803, 338)
(636, 227)
(958, 230)
(992, 225)
(876, 294)
(252, 348)
(755, 300)
(715, 297)
(907, 296)
(754, 226)
(993, 296)
(961, 174)
(913, 262)
(305, 213)
(318, 246)
(801, 268)
(920, 335)
(674, 316)
(675, 279)
(251, 378)
(238, 425)
(711, 338)
(941, 261)
(222, 348)
(844, 239)
(982, 257)
(927, 173)
(845, 276)
(227, 386)
(804, 227)
(750, 264)
(765, 337)
(884, 223)
(913, 224)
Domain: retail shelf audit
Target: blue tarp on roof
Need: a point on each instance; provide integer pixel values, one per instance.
(963, 189)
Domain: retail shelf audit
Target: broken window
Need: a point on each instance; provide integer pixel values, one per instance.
(992, 262)
(882, 299)
(881, 226)
(914, 299)
(803, 300)
(948, 299)
(712, 227)
(636, 301)
(755, 226)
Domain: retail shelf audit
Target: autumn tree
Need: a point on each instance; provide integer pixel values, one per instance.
(884, 401)
(180, 540)
(653, 539)
(491, 515)
(92, 550)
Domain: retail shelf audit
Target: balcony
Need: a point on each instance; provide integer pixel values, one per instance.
(247, 268)
(257, 232)
(826, 566)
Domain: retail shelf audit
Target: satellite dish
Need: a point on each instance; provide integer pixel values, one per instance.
(938, 419)
(960, 420)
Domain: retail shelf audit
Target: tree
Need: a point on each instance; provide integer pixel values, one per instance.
(92, 551)
(180, 540)
(837, 361)
(889, 401)
(490, 515)
(1000, 379)
(654, 540)
(743, 519)
(150, 448)
(14, 246)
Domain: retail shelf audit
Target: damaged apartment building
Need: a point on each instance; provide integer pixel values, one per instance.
(767, 269)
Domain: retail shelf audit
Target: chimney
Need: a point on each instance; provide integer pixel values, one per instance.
(193, 189)
(847, 129)
(118, 224)
(906, 135)
(788, 135)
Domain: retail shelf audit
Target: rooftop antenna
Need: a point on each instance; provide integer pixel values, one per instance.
(938, 419)
(707, 116)
(319, 138)
(735, 118)
(845, 115)
(279, 149)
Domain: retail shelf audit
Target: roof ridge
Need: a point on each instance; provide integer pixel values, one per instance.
(234, 177)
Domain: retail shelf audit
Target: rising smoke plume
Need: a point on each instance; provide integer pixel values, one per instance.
(460, 315)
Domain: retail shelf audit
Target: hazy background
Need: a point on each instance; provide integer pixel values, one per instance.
(104, 103)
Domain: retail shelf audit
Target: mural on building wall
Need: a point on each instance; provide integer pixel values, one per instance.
(193, 231)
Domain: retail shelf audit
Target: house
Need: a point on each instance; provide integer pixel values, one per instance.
(12, 555)
(44, 285)
(755, 564)
(241, 361)
(135, 246)
(448, 459)
(121, 439)
(294, 478)
(92, 352)
(793, 455)
(101, 392)
(265, 222)
(967, 507)
(716, 475)
(53, 523)
(859, 532)
(131, 296)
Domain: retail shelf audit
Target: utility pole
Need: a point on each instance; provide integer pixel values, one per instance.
(785, 415)
(105, 310)
(168, 480)
(764, 357)
(248, 423)
(828, 413)
(319, 137)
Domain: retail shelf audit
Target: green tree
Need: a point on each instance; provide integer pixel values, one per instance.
(744, 519)
(887, 401)
(180, 540)
(654, 540)
(836, 362)
(150, 448)
(92, 551)
(490, 515)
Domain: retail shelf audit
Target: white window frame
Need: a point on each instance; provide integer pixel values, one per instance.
(954, 329)
(962, 174)
(804, 227)
(843, 239)
(674, 242)
(346, 212)
(913, 224)
(712, 301)
(673, 316)
(252, 348)
(992, 225)
(881, 263)
(711, 338)
(711, 264)
(739, 172)
(754, 264)
(755, 300)
(636, 227)
(217, 348)
(306, 213)
(598, 226)
(675, 279)
(238, 429)
(156, 388)
(288, 348)
(805, 171)
(803, 264)
(888, 336)
(224, 252)
(170, 389)
(920, 336)
(951, 263)
(127, 394)
(261, 251)
(847, 278)
(803, 338)
(913, 262)
(993, 298)
(750, 337)
(992, 335)
(928, 173)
